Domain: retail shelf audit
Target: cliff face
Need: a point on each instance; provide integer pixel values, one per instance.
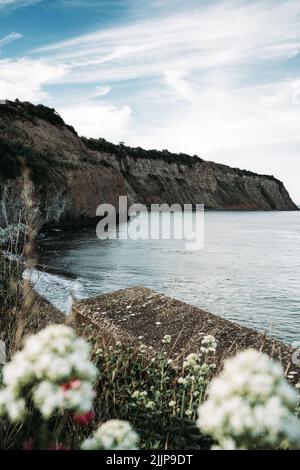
(214, 185)
(73, 175)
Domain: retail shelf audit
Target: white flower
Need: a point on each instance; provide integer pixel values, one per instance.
(191, 361)
(33, 346)
(209, 344)
(16, 409)
(167, 339)
(58, 369)
(172, 403)
(182, 381)
(112, 435)
(209, 340)
(55, 371)
(251, 404)
(48, 398)
(227, 444)
(150, 405)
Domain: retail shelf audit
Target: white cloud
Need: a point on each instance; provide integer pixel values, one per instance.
(177, 81)
(197, 81)
(25, 78)
(255, 128)
(98, 119)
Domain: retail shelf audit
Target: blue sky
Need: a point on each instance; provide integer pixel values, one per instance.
(216, 78)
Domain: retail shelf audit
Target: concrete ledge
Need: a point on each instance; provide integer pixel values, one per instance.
(139, 315)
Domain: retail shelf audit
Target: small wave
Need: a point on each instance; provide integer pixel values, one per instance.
(58, 290)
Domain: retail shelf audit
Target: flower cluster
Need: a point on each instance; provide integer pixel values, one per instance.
(196, 367)
(250, 405)
(53, 372)
(141, 398)
(112, 435)
(192, 384)
(192, 362)
(167, 339)
(209, 344)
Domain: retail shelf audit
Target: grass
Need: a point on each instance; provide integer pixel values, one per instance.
(142, 386)
(134, 384)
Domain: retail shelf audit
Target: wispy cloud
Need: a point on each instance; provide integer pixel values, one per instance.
(10, 38)
(178, 82)
(211, 77)
(221, 35)
(10, 5)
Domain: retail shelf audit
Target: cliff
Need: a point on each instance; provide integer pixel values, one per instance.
(73, 175)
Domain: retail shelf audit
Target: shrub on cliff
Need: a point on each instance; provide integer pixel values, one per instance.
(15, 155)
(28, 111)
(121, 151)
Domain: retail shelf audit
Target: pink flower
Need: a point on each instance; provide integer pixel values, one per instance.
(84, 419)
(74, 383)
(28, 445)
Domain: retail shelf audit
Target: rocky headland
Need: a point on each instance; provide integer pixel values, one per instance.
(71, 175)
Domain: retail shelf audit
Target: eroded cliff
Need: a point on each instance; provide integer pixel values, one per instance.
(73, 175)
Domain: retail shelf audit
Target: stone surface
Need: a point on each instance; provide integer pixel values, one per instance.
(142, 316)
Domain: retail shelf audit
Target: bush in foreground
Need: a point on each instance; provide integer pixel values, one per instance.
(55, 397)
(250, 405)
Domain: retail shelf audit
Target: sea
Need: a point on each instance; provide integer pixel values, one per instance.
(247, 271)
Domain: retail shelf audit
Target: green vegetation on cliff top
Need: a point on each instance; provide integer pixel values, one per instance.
(44, 165)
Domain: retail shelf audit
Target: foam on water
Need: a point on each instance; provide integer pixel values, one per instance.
(57, 289)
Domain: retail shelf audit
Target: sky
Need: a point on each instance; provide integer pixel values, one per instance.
(216, 78)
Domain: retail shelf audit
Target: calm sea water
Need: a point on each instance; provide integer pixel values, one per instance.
(248, 270)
